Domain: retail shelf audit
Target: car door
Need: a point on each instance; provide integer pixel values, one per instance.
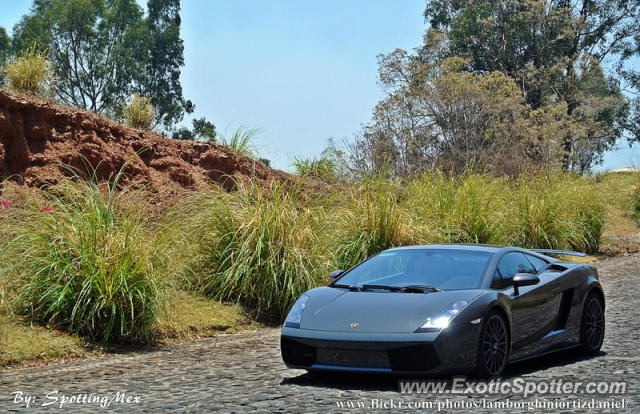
(562, 288)
(532, 316)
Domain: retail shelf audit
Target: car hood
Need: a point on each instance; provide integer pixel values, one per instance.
(334, 309)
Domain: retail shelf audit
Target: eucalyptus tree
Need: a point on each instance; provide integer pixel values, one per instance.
(103, 51)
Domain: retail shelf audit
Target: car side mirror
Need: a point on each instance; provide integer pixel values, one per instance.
(335, 273)
(524, 279)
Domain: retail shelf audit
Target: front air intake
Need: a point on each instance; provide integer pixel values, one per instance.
(297, 353)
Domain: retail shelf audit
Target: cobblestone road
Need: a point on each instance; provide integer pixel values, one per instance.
(242, 372)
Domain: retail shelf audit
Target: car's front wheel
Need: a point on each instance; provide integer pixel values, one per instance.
(494, 346)
(592, 325)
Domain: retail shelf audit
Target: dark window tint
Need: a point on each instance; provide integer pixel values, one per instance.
(497, 282)
(538, 263)
(512, 263)
(444, 269)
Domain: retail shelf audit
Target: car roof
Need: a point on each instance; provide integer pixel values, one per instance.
(489, 248)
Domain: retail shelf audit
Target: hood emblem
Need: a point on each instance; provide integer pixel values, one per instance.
(355, 325)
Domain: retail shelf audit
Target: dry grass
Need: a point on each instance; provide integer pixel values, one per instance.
(257, 247)
(363, 219)
(621, 233)
(619, 189)
(30, 73)
(27, 344)
(193, 316)
(589, 259)
(139, 113)
(190, 317)
(85, 259)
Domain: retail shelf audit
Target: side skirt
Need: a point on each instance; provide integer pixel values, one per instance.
(550, 351)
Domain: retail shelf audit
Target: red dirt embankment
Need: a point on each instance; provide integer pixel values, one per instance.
(39, 140)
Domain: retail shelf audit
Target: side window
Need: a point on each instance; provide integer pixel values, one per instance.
(512, 263)
(538, 263)
(497, 282)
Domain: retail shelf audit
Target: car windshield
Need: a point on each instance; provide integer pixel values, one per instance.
(444, 269)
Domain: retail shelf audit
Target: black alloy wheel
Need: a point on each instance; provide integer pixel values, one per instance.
(494, 346)
(592, 326)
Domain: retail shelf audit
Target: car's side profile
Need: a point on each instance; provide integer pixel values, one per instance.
(445, 309)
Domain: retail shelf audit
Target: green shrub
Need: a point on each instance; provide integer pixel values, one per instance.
(139, 113)
(255, 246)
(29, 73)
(84, 259)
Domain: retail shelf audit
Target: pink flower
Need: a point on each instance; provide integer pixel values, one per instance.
(4, 204)
(47, 209)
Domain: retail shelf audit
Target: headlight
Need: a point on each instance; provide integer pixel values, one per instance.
(295, 314)
(441, 319)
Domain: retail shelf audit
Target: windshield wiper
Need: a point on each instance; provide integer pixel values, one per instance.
(385, 287)
(350, 287)
(408, 288)
(419, 288)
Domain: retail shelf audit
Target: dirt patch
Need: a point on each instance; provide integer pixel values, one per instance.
(39, 140)
(621, 245)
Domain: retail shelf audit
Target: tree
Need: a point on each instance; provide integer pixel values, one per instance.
(166, 59)
(5, 45)
(439, 115)
(88, 43)
(631, 76)
(202, 130)
(549, 47)
(523, 39)
(103, 51)
(5, 50)
(600, 117)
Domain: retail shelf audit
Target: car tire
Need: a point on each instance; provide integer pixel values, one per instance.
(592, 325)
(493, 347)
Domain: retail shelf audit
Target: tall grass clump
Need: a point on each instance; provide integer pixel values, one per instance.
(469, 208)
(322, 168)
(139, 113)
(84, 259)
(586, 203)
(5, 309)
(370, 221)
(635, 202)
(241, 140)
(29, 73)
(256, 246)
(558, 212)
(5, 312)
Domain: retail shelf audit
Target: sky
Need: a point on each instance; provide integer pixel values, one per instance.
(300, 71)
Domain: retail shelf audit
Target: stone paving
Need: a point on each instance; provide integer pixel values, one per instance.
(244, 372)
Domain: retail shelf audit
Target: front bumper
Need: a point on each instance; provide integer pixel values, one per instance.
(452, 350)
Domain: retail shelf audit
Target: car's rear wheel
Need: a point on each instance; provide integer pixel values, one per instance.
(493, 347)
(592, 324)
